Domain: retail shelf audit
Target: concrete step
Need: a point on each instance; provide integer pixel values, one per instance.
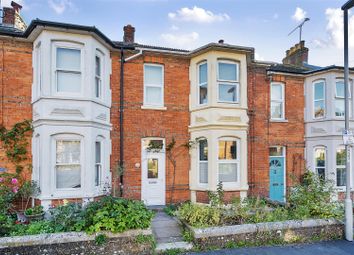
(161, 247)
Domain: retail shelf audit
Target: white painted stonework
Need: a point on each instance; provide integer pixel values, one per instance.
(79, 116)
(218, 120)
(327, 131)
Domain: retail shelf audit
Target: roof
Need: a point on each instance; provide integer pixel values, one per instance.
(305, 70)
(221, 46)
(152, 47)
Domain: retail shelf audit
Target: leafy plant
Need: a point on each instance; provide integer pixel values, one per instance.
(116, 215)
(26, 191)
(170, 210)
(100, 239)
(69, 217)
(217, 198)
(34, 210)
(200, 215)
(8, 191)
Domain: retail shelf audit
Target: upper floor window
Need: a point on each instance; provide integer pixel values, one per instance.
(203, 82)
(340, 98)
(68, 70)
(228, 160)
(153, 85)
(277, 107)
(203, 161)
(320, 162)
(228, 81)
(319, 99)
(341, 166)
(98, 76)
(68, 164)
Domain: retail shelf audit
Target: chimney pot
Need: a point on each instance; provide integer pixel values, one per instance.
(17, 7)
(221, 41)
(297, 55)
(129, 32)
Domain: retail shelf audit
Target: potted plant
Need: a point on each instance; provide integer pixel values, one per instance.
(34, 213)
(27, 191)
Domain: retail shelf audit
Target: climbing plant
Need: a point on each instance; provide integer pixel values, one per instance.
(15, 143)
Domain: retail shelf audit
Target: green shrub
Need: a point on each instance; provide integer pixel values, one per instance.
(34, 228)
(116, 215)
(170, 210)
(67, 218)
(313, 199)
(200, 215)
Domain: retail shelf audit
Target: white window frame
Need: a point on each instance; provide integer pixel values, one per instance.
(282, 101)
(99, 165)
(202, 84)
(70, 138)
(336, 97)
(325, 160)
(234, 161)
(341, 166)
(155, 85)
(317, 100)
(235, 83)
(202, 161)
(73, 46)
(99, 77)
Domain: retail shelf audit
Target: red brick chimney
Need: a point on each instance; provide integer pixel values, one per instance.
(12, 18)
(297, 55)
(129, 32)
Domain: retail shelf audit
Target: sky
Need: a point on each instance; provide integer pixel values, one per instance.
(188, 24)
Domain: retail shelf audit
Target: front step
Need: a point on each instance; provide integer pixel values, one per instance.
(161, 247)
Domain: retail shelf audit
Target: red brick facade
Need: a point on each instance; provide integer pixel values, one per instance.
(16, 90)
(264, 133)
(140, 123)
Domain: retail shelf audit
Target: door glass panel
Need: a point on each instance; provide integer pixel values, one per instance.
(153, 170)
(276, 151)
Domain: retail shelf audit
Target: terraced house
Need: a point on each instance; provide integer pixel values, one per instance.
(164, 125)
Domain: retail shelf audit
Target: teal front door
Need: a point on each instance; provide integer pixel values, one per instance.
(276, 179)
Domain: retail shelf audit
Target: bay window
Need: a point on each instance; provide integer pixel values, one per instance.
(68, 164)
(203, 83)
(68, 72)
(341, 166)
(203, 161)
(153, 85)
(319, 99)
(320, 162)
(277, 101)
(228, 160)
(228, 81)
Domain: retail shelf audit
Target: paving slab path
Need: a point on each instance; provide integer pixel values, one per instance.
(168, 233)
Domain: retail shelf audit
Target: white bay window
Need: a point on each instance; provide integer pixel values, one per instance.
(228, 81)
(320, 162)
(203, 83)
(68, 164)
(203, 161)
(98, 76)
(98, 163)
(319, 99)
(228, 160)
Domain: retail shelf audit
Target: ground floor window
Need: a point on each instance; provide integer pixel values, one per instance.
(203, 161)
(340, 166)
(228, 160)
(98, 162)
(320, 162)
(68, 164)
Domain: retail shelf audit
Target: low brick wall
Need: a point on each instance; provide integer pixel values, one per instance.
(267, 233)
(72, 243)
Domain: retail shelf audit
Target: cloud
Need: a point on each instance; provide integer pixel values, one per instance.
(184, 41)
(174, 28)
(258, 57)
(275, 16)
(197, 14)
(59, 6)
(335, 28)
(299, 14)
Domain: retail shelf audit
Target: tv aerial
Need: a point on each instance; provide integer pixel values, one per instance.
(300, 28)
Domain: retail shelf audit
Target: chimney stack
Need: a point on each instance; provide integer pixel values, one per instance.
(129, 32)
(297, 55)
(12, 18)
(221, 41)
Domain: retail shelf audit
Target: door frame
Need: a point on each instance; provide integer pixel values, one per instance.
(144, 154)
(284, 157)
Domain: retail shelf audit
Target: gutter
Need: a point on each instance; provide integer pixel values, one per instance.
(121, 120)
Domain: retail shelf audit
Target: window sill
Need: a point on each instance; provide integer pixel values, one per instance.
(150, 107)
(279, 121)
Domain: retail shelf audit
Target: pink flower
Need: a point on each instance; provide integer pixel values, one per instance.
(14, 181)
(2, 179)
(15, 189)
